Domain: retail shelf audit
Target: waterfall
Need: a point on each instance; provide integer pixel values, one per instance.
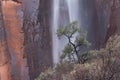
(74, 15)
(73, 7)
(54, 29)
(64, 12)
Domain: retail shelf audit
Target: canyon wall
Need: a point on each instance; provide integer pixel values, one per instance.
(5, 68)
(108, 17)
(114, 27)
(28, 38)
(29, 26)
(37, 37)
(15, 39)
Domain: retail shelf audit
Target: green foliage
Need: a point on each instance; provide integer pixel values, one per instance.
(68, 30)
(81, 40)
(68, 51)
(72, 50)
(104, 64)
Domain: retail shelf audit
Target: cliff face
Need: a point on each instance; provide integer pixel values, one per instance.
(15, 40)
(44, 18)
(28, 30)
(114, 27)
(102, 10)
(5, 68)
(37, 38)
(108, 17)
(28, 38)
(104, 22)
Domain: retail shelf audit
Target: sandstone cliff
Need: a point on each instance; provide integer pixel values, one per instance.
(5, 68)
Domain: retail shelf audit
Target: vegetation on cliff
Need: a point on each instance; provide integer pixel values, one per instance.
(103, 64)
(76, 40)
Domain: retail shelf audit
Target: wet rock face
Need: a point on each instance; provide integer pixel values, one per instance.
(101, 7)
(37, 44)
(89, 20)
(97, 16)
(44, 18)
(37, 38)
(111, 17)
(31, 50)
(105, 20)
(94, 20)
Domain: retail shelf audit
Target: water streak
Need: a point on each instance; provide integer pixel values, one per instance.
(64, 12)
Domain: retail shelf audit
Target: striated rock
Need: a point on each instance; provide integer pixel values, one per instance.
(29, 32)
(15, 40)
(5, 68)
(101, 21)
(37, 38)
(108, 17)
(28, 38)
(44, 18)
(106, 20)
(114, 25)
(90, 21)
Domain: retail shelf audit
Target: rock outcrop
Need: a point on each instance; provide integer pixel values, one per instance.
(5, 67)
(114, 27)
(37, 37)
(28, 33)
(15, 40)
(28, 38)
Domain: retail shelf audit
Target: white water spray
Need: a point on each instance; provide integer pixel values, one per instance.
(73, 12)
(54, 30)
(73, 8)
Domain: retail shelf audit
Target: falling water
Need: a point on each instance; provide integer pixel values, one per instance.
(64, 12)
(73, 7)
(54, 29)
(74, 15)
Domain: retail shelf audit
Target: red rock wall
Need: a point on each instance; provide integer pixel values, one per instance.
(5, 66)
(30, 44)
(29, 39)
(114, 21)
(15, 40)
